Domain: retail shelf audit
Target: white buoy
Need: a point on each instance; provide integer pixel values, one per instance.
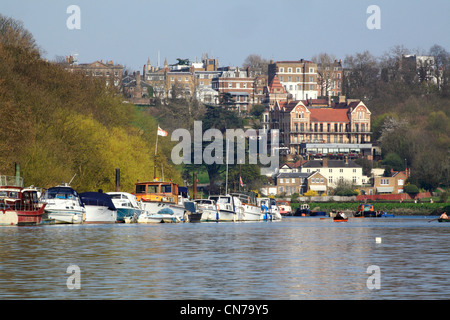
(378, 240)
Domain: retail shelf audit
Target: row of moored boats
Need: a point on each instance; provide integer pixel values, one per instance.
(152, 202)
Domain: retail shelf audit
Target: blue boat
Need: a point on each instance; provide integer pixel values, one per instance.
(128, 209)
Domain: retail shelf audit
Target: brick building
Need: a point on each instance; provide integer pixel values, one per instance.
(319, 127)
(111, 73)
(299, 78)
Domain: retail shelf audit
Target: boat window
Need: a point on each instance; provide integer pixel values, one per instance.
(140, 188)
(115, 196)
(166, 188)
(14, 194)
(3, 193)
(152, 189)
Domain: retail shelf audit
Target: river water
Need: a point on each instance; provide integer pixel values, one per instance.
(296, 258)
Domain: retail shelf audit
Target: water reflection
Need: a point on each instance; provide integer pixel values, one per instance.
(298, 258)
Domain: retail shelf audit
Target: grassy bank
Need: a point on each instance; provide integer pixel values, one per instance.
(405, 208)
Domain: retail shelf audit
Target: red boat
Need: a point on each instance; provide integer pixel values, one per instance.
(20, 206)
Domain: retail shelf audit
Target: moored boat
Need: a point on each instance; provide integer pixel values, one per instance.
(128, 209)
(63, 205)
(19, 205)
(365, 210)
(99, 208)
(226, 208)
(269, 208)
(161, 202)
(208, 209)
(303, 210)
(284, 207)
(246, 207)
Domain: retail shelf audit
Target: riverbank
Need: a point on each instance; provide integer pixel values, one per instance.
(405, 208)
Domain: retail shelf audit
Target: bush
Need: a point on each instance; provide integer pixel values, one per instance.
(411, 189)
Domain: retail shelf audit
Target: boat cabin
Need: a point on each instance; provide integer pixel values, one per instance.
(17, 198)
(159, 191)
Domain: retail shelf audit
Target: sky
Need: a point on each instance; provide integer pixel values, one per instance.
(130, 32)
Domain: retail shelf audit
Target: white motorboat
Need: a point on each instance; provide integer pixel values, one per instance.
(99, 207)
(207, 209)
(269, 209)
(128, 209)
(64, 205)
(225, 208)
(246, 207)
(160, 202)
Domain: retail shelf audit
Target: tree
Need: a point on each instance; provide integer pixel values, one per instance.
(362, 75)
(325, 64)
(256, 63)
(394, 161)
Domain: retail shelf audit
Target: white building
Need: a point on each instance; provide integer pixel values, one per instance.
(336, 171)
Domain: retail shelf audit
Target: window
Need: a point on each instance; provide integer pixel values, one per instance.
(311, 70)
(281, 70)
(281, 180)
(400, 182)
(289, 70)
(330, 170)
(384, 181)
(293, 180)
(297, 70)
(354, 179)
(330, 180)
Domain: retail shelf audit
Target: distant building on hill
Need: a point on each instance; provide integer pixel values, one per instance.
(110, 72)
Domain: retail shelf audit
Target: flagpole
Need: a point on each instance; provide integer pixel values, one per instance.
(156, 148)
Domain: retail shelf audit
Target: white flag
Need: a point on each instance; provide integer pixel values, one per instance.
(161, 132)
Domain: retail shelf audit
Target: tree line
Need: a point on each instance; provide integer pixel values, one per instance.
(58, 124)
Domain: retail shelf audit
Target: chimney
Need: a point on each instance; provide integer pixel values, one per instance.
(341, 99)
(138, 78)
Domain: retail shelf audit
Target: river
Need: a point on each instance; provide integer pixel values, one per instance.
(297, 258)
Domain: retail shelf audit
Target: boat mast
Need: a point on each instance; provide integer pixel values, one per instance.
(226, 176)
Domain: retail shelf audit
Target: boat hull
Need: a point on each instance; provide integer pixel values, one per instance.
(157, 218)
(66, 217)
(162, 208)
(443, 220)
(21, 218)
(100, 214)
(340, 220)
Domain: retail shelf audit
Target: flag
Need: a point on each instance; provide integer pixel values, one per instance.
(161, 132)
(241, 182)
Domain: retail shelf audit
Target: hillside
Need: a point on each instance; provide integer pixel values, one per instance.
(57, 124)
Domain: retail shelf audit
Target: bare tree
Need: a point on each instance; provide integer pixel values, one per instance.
(256, 63)
(325, 65)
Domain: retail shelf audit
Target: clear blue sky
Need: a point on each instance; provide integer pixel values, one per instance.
(129, 32)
